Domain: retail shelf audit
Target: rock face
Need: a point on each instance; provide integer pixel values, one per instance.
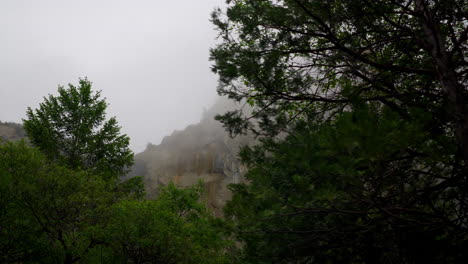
(11, 131)
(203, 151)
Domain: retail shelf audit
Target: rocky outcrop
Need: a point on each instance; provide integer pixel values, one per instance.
(11, 131)
(203, 151)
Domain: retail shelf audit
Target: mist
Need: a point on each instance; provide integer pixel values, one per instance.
(149, 59)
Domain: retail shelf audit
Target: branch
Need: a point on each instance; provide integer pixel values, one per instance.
(337, 42)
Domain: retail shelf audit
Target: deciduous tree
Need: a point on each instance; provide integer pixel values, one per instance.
(72, 129)
(49, 213)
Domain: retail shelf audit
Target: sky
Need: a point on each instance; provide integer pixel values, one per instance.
(149, 58)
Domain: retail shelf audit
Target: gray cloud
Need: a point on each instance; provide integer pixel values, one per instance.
(149, 58)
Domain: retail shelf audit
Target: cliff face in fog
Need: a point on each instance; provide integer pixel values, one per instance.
(203, 151)
(11, 131)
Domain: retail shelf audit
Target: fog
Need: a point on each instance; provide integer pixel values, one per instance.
(148, 57)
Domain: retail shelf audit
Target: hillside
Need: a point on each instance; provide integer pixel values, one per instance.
(11, 131)
(202, 151)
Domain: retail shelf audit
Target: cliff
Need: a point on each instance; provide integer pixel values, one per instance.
(11, 131)
(202, 151)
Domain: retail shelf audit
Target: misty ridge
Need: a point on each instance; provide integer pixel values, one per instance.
(11, 131)
(200, 152)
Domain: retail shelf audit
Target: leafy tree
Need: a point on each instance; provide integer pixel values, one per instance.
(174, 228)
(287, 57)
(133, 187)
(72, 129)
(49, 214)
(361, 109)
(20, 237)
(52, 214)
(57, 204)
(353, 190)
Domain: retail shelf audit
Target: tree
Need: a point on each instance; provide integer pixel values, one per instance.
(20, 237)
(286, 57)
(72, 129)
(49, 213)
(361, 111)
(174, 228)
(352, 190)
(52, 214)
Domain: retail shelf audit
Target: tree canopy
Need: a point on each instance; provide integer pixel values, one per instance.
(174, 228)
(72, 129)
(52, 214)
(286, 57)
(355, 190)
(49, 213)
(360, 108)
(60, 201)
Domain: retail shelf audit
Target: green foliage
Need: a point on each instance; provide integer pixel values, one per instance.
(49, 213)
(174, 228)
(133, 187)
(61, 202)
(364, 188)
(72, 129)
(360, 109)
(287, 57)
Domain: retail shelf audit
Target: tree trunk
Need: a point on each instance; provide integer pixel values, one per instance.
(68, 259)
(447, 76)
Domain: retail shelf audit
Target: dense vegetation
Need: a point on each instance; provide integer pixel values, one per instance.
(61, 201)
(361, 108)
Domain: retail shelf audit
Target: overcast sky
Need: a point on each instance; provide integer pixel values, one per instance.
(149, 58)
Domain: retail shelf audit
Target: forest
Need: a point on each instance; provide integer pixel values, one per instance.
(360, 114)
